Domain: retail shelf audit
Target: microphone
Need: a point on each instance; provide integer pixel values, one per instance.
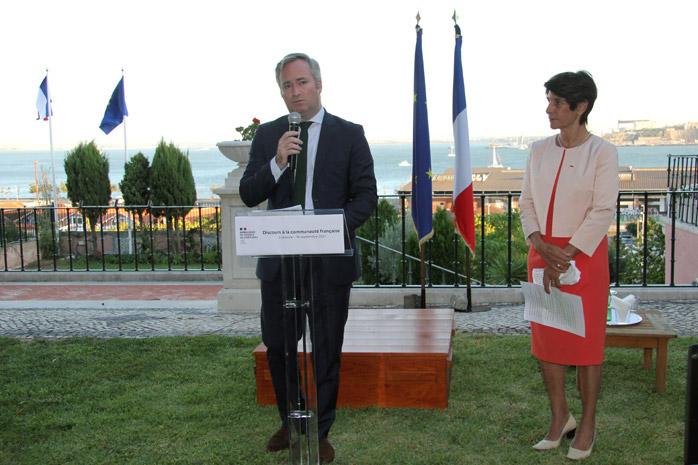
(294, 124)
(294, 121)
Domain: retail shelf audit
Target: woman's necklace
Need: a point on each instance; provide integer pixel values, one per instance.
(559, 141)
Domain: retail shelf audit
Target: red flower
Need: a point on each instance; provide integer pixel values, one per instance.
(249, 132)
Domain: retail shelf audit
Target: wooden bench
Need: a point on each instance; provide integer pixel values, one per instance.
(653, 332)
(390, 358)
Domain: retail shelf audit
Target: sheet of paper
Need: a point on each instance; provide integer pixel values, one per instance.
(557, 309)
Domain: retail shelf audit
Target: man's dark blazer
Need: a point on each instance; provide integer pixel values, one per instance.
(343, 178)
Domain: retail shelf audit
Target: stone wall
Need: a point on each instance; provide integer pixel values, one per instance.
(686, 264)
(12, 256)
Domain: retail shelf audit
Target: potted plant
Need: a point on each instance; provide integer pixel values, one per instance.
(239, 150)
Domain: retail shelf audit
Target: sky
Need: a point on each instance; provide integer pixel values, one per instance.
(196, 70)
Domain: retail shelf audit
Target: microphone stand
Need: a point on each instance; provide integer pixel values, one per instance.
(301, 390)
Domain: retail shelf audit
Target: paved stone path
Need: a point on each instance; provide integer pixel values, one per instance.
(168, 313)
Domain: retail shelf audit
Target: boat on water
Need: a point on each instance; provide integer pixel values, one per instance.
(522, 145)
(496, 162)
(451, 151)
(404, 163)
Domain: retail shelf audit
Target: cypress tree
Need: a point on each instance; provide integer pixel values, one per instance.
(87, 171)
(135, 186)
(171, 183)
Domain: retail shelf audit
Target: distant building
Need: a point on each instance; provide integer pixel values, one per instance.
(635, 124)
(503, 185)
(646, 132)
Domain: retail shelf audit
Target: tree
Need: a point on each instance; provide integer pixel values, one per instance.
(135, 186)
(10, 231)
(631, 257)
(171, 184)
(496, 249)
(631, 228)
(87, 171)
(45, 188)
(442, 248)
(440, 251)
(372, 228)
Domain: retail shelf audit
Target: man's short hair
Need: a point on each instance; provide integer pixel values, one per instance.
(314, 66)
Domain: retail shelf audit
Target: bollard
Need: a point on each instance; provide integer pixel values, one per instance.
(691, 436)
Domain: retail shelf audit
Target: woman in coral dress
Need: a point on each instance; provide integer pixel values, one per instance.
(568, 202)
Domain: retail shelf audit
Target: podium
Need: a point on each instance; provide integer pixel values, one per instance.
(296, 237)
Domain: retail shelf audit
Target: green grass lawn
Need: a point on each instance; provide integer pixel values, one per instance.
(191, 400)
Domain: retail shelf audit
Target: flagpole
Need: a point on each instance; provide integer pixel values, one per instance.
(49, 114)
(468, 251)
(463, 183)
(423, 291)
(421, 161)
(468, 276)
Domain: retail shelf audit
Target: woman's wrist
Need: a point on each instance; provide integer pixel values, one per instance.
(535, 239)
(571, 250)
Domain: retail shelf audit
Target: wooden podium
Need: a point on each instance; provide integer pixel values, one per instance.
(391, 358)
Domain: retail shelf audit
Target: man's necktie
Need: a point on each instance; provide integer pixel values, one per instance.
(301, 167)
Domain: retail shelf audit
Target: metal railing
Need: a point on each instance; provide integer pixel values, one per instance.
(682, 182)
(111, 238)
(636, 245)
(148, 238)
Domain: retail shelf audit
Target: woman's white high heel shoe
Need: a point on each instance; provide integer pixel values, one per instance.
(577, 454)
(567, 430)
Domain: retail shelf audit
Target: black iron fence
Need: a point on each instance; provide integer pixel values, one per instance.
(141, 238)
(642, 244)
(111, 238)
(682, 182)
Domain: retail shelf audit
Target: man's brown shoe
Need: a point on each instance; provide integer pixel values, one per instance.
(279, 440)
(326, 451)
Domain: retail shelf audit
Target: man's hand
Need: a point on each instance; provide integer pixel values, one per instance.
(288, 145)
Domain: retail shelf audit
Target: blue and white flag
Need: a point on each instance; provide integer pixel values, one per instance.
(43, 105)
(116, 109)
(421, 151)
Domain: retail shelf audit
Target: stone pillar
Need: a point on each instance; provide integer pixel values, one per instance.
(240, 285)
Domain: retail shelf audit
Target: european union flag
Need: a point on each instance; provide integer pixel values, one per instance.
(116, 109)
(421, 151)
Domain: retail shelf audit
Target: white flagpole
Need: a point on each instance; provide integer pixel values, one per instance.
(54, 189)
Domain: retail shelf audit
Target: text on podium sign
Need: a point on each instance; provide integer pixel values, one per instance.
(292, 234)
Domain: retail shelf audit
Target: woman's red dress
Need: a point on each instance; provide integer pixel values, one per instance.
(561, 347)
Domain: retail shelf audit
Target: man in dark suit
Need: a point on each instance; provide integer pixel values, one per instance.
(334, 170)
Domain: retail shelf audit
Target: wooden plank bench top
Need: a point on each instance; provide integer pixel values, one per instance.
(390, 358)
(653, 332)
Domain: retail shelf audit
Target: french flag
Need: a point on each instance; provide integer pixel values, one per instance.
(43, 108)
(463, 179)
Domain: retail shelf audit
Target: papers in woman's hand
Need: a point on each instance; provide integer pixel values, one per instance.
(571, 276)
(558, 309)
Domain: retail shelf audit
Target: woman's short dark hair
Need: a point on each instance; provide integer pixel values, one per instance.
(575, 88)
